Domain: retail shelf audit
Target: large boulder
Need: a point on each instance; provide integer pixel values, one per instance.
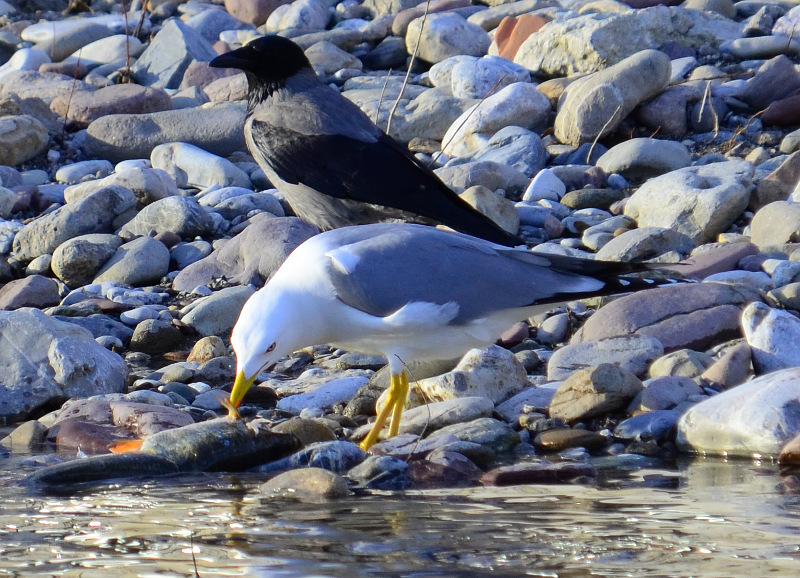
(46, 361)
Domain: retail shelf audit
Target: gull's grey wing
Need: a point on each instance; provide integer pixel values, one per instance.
(379, 270)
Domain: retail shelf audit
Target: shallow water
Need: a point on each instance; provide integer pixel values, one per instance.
(701, 518)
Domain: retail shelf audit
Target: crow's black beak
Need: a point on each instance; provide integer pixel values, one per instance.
(240, 58)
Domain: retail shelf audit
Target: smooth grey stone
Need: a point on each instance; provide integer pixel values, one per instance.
(217, 313)
(761, 47)
(339, 390)
(595, 105)
(76, 172)
(92, 214)
(77, 260)
(389, 53)
(169, 54)
(479, 77)
(101, 325)
(73, 38)
(47, 360)
(634, 353)
(645, 243)
(518, 104)
(155, 336)
(252, 256)
(516, 147)
(210, 22)
(666, 393)
(216, 129)
(44, 85)
(485, 431)
(191, 166)
(143, 261)
(653, 425)
(244, 204)
(645, 157)
(302, 16)
(752, 419)
(135, 316)
(773, 336)
(536, 397)
(433, 416)
(596, 390)
(699, 201)
(490, 174)
(445, 34)
(311, 485)
(774, 80)
(180, 215)
(185, 254)
(775, 224)
(148, 184)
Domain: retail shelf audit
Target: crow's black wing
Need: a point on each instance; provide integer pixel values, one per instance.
(381, 172)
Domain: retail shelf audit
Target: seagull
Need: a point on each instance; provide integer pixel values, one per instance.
(334, 166)
(409, 292)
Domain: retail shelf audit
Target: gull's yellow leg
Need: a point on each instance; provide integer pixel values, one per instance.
(395, 388)
(400, 391)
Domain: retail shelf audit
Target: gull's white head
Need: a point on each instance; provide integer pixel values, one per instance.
(269, 327)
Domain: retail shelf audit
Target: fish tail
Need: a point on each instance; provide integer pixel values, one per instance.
(125, 446)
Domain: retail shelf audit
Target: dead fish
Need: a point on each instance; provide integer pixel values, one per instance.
(102, 467)
(216, 445)
(220, 444)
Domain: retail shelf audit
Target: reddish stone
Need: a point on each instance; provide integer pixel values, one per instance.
(790, 452)
(722, 258)
(25, 195)
(513, 335)
(200, 74)
(784, 112)
(168, 238)
(544, 473)
(74, 68)
(34, 291)
(84, 106)
(404, 17)
(252, 11)
(88, 437)
(512, 32)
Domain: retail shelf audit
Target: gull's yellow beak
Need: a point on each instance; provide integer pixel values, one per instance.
(240, 387)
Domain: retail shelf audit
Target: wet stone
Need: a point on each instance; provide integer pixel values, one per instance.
(306, 485)
(308, 431)
(542, 473)
(381, 473)
(486, 431)
(561, 439)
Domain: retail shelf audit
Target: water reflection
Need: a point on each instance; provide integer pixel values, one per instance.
(704, 518)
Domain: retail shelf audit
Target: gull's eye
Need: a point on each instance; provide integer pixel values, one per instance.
(271, 347)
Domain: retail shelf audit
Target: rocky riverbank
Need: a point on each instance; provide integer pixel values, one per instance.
(134, 225)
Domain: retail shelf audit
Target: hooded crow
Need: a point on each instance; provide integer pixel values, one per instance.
(332, 163)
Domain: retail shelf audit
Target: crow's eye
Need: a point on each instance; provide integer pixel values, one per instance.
(271, 347)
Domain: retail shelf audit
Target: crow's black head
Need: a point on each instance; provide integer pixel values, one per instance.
(269, 60)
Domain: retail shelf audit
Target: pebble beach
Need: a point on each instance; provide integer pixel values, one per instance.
(134, 225)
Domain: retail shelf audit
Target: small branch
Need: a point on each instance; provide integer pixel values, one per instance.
(605, 126)
(471, 112)
(383, 93)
